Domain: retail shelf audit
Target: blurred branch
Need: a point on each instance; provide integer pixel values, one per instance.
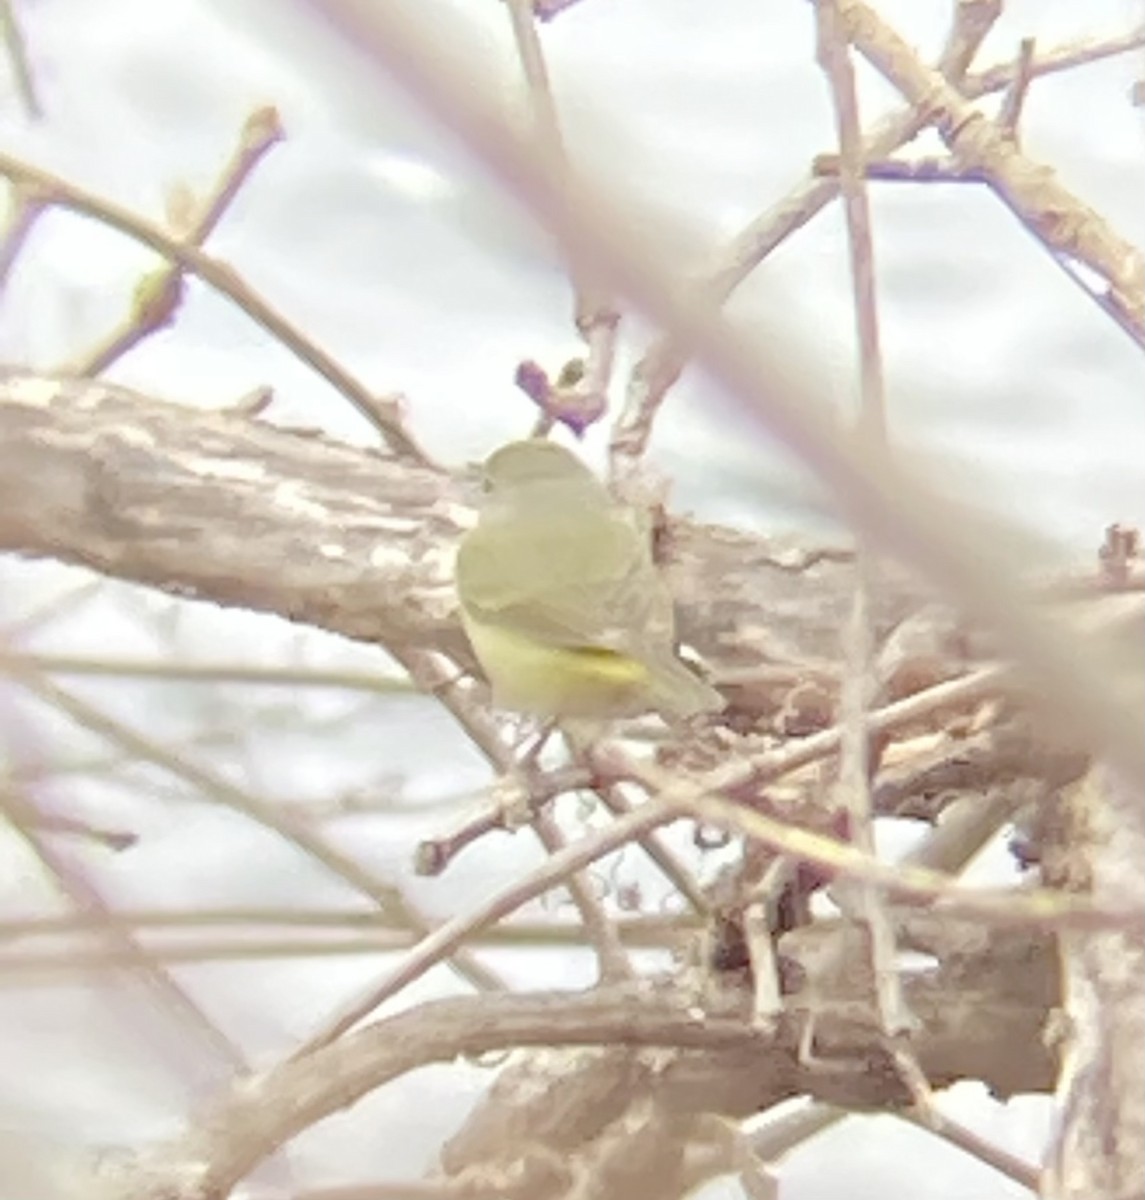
(389, 899)
(217, 672)
(240, 935)
(636, 931)
(17, 50)
(857, 762)
(110, 839)
(28, 816)
(546, 10)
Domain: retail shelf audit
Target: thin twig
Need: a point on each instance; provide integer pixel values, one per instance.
(674, 799)
(660, 365)
(584, 398)
(937, 1122)
(61, 965)
(834, 56)
(160, 292)
(636, 931)
(766, 993)
(51, 610)
(1014, 99)
(435, 854)
(454, 933)
(1054, 61)
(682, 879)
(27, 209)
(440, 679)
(1042, 908)
(949, 170)
(388, 420)
(600, 928)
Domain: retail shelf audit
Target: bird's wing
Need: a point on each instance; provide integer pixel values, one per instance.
(570, 569)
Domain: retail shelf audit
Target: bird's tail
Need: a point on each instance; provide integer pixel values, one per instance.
(680, 693)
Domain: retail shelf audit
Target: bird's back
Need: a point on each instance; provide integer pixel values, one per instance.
(565, 563)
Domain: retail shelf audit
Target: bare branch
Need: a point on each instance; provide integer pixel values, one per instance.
(583, 398)
(1062, 220)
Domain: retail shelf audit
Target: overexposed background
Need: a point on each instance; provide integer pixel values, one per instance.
(375, 233)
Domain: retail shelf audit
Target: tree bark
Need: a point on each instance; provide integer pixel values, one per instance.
(1099, 1146)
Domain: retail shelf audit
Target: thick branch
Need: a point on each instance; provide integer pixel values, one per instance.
(982, 1015)
(216, 506)
(1099, 1143)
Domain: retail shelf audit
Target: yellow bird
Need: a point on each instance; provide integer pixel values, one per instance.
(562, 603)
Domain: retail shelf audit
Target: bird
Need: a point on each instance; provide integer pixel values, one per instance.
(563, 605)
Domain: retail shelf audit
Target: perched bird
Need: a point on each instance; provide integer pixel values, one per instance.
(563, 605)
